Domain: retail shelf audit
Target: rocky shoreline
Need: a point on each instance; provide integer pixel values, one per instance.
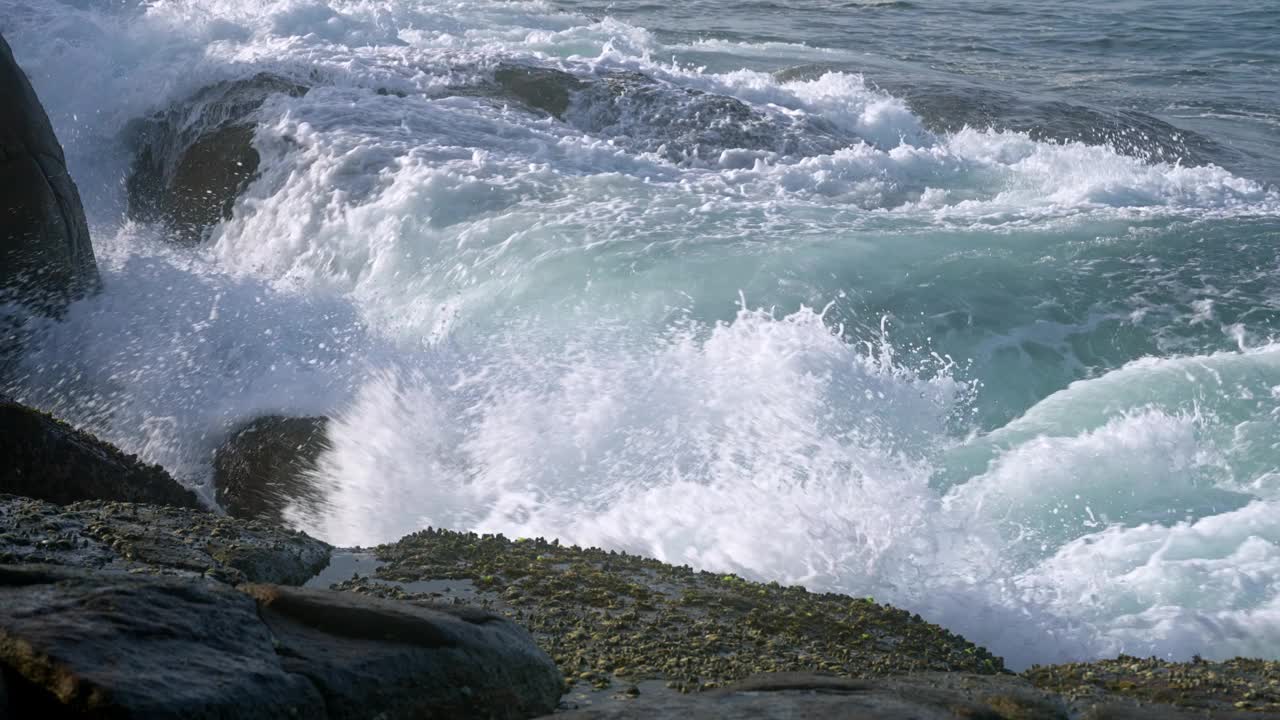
(121, 595)
(98, 595)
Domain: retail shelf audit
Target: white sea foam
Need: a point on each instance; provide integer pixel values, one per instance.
(534, 326)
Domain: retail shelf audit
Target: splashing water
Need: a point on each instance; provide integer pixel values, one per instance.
(713, 311)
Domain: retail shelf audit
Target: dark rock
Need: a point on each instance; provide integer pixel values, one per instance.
(265, 465)
(156, 540)
(541, 88)
(927, 696)
(647, 114)
(44, 458)
(370, 656)
(195, 159)
(46, 258)
(106, 644)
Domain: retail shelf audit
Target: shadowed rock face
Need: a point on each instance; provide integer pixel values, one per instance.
(87, 643)
(263, 467)
(46, 258)
(41, 457)
(196, 158)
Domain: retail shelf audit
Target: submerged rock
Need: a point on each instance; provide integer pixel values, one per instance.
(157, 540)
(683, 125)
(195, 159)
(265, 465)
(41, 457)
(46, 259)
(542, 88)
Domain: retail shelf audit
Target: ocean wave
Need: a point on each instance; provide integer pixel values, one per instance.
(587, 308)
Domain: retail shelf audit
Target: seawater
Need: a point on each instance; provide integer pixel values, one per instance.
(970, 307)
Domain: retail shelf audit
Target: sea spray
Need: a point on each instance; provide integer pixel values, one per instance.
(1037, 404)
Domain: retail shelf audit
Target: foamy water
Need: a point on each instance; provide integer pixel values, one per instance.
(1024, 387)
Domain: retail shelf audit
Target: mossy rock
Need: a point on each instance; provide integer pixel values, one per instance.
(606, 615)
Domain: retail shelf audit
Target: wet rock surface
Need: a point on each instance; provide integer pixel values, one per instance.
(408, 661)
(127, 625)
(46, 258)
(638, 638)
(109, 644)
(545, 89)
(611, 619)
(1240, 684)
(263, 467)
(157, 540)
(195, 159)
(683, 125)
(929, 696)
(41, 457)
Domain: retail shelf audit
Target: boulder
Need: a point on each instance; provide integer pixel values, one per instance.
(105, 644)
(76, 642)
(195, 159)
(408, 661)
(265, 465)
(46, 259)
(156, 540)
(41, 457)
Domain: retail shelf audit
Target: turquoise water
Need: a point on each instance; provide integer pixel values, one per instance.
(966, 306)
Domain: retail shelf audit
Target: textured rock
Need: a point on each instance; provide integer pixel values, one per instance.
(608, 617)
(407, 661)
(545, 89)
(1218, 686)
(162, 540)
(105, 644)
(95, 643)
(195, 159)
(46, 258)
(263, 467)
(44, 458)
(929, 696)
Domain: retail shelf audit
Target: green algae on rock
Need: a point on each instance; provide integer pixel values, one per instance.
(1241, 684)
(607, 615)
(919, 696)
(155, 540)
